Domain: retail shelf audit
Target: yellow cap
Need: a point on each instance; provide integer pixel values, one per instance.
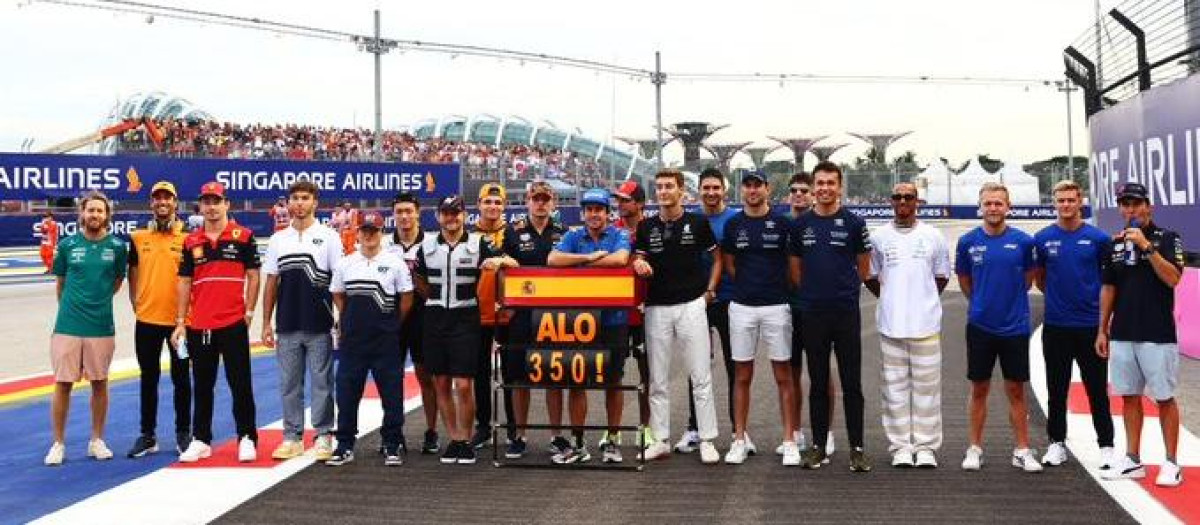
(492, 189)
(163, 185)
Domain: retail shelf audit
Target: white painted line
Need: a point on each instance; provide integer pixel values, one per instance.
(1081, 441)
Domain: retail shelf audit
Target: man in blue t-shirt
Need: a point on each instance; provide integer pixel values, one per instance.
(754, 247)
(712, 204)
(602, 245)
(995, 266)
(1070, 253)
(829, 258)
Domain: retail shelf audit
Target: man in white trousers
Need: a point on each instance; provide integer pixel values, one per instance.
(910, 267)
(668, 250)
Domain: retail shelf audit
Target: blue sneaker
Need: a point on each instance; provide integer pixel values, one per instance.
(516, 449)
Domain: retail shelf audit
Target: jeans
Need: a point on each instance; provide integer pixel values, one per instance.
(297, 351)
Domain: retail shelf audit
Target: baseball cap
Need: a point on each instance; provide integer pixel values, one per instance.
(754, 175)
(598, 196)
(453, 203)
(163, 185)
(213, 188)
(1132, 190)
(541, 188)
(372, 220)
(492, 189)
(631, 190)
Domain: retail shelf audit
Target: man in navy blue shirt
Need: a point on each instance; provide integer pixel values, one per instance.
(830, 255)
(1070, 253)
(754, 247)
(995, 266)
(1137, 330)
(597, 244)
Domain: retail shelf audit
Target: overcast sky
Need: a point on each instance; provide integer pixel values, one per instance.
(65, 67)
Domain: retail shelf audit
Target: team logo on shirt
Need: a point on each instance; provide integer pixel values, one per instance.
(236, 233)
(839, 222)
(384, 269)
(198, 252)
(318, 241)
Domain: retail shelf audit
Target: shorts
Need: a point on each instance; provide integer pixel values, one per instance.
(983, 349)
(451, 338)
(74, 358)
(754, 327)
(1135, 367)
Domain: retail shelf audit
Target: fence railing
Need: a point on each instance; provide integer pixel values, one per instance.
(1134, 46)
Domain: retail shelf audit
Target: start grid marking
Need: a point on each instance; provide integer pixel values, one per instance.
(1145, 501)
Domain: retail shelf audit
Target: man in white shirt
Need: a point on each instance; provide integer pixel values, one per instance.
(910, 267)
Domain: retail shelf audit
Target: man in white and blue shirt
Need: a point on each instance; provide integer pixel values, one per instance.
(299, 262)
(372, 289)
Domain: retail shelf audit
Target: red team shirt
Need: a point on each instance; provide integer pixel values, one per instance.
(218, 272)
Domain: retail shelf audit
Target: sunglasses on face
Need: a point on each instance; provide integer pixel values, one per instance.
(798, 189)
(903, 197)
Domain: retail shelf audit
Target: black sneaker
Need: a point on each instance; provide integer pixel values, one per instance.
(430, 445)
(516, 449)
(340, 457)
(393, 456)
(466, 455)
(559, 445)
(482, 438)
(183, 438)
(450, 456)
(144, 445)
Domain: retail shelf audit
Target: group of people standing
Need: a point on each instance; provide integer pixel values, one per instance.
(786, 284)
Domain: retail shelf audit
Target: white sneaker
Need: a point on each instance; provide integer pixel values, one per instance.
(974, 458)
(1056, 454)
(830, 448)
(55, 456)
(1108, 457)
(323, 449)
(1026, 459)
(750, 448)
(97, 449)
(1169, 475)
(658, 450)
(737, 452)
(903, 458)
(708, 453)
(247, 450)
(1124, 468)
(791, 454)
(196, 451)
(926, 459)
(688, 443)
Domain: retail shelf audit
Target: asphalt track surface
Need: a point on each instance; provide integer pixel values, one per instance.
(681, 490)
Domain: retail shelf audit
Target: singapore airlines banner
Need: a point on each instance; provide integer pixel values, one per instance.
(41, 176)
(1154, 139)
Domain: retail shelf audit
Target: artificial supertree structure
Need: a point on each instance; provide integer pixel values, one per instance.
(725, 152)
(824, 151)
(692, 135)
(880, 142)
(799, 146)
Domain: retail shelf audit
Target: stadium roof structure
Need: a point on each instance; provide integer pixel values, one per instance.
(153, 105)
(514, 130)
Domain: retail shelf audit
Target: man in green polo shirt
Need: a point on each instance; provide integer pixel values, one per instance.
(89, 267)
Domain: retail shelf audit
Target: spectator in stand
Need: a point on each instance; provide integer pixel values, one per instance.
(48, 232)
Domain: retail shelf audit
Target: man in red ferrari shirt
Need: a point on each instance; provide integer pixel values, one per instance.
(218, 289)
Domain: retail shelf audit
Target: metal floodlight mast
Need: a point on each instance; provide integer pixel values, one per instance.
(799, 146)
